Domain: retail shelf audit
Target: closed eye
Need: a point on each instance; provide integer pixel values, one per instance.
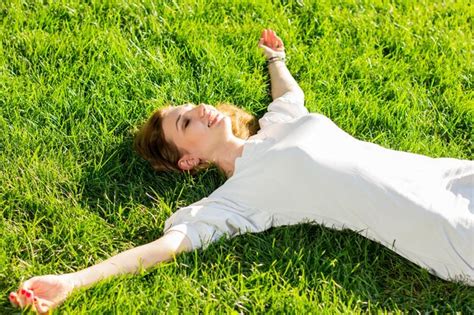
(186, 122)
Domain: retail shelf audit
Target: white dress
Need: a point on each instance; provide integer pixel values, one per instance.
(301, 167)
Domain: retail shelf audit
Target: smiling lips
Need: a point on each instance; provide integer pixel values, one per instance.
(212, 120)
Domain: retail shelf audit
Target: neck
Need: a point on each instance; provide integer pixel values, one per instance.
(227, 154)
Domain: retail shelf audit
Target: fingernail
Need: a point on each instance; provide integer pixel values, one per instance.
(11, 296)
(35, 299)
(28, 294)
(22, 291)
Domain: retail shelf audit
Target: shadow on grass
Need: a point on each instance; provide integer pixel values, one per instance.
(349, 263)
(353, 264)
(121, 177)
(123, 182)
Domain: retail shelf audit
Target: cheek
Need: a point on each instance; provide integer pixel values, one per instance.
(197, 134)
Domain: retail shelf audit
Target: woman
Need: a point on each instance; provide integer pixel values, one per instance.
(304, 168)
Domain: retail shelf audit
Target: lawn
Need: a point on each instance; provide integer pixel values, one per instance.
(78, 77)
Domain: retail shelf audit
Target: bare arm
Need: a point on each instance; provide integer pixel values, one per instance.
(130, 261)
(281, 79)
(44, 293)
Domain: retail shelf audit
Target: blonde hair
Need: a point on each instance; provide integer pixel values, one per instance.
(150, 140)
(244, 124)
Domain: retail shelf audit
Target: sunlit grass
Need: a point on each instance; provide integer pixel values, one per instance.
(77, 79)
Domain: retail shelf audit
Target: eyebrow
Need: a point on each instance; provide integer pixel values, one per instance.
(177, 120)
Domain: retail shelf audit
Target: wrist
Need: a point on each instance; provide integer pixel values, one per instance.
(274, 59)
(273, 54)
(74, 279)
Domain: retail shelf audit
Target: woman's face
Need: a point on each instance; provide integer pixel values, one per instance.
(196, 130)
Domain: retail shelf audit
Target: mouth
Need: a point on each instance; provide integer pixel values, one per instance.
(213, 118)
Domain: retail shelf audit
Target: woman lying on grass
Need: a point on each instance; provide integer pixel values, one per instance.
(299, 167)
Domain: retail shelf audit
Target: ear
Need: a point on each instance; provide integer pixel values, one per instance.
(187, 162)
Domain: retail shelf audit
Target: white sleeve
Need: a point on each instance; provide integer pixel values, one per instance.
(209, 219)
(284, 108)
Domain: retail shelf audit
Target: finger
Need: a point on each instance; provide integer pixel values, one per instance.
(21, 298)
(272, 33)
(273, 36)
(14, 299)
(268, 36)
(275, 42)
(25, 297)
(29, 297)
(43, 306)
(279, 41)
(24, 286)
(265, 36)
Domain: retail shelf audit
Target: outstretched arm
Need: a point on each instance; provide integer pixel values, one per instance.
(281, 79)
(130, 261)
(46, 292)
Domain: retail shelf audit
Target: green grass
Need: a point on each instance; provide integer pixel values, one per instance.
(76, 79)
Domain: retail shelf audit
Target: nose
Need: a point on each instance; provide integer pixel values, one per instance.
(202, 110)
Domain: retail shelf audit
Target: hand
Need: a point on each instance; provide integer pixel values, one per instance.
(43, 293)
(271, 44)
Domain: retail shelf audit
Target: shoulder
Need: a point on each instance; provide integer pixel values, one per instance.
(284, 108)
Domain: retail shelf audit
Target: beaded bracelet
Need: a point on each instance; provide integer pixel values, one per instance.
(275, 59)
